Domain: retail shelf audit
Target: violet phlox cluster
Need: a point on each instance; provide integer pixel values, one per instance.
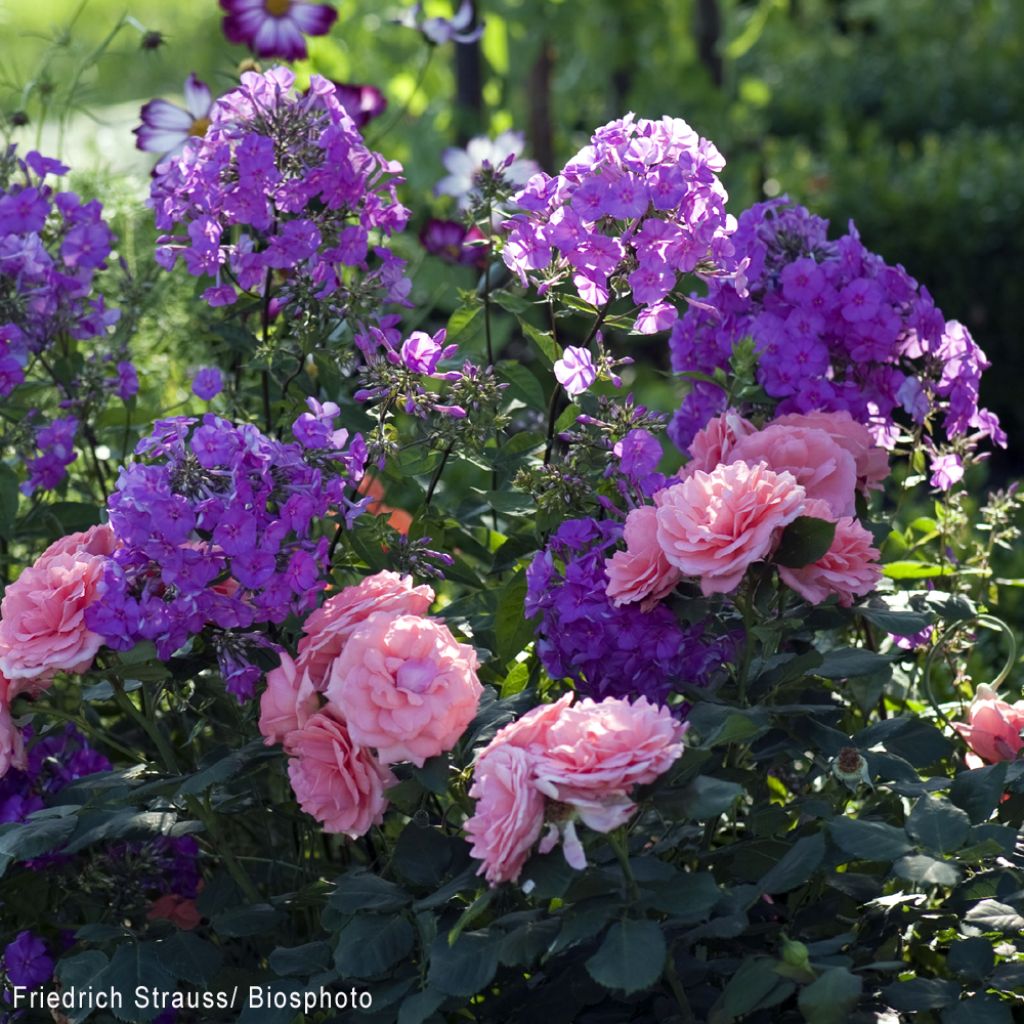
(835, 328)
(282, 185)
(216, 524)
(609, 651)
(631, 212)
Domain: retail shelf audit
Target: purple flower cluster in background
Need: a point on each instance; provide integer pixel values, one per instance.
(642, 203)
(834, 327)
(608, 651)
(281, 192)
(215, 528)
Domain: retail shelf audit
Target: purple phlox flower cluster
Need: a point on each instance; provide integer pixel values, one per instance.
(457, 29)
(483, 156)
(638, 454)
(276, 28)
(454, 242)
(282, 192)
(638, 207)
(55, 443)
(834, 327)
(166, 127)
(207, 383)
(155, 867)
(577, 369)
(396, 375)
(607, 651)
(217, 528)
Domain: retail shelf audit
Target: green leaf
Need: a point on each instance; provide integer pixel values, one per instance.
(830, 998)
(909, 570)
(689, 898)
(8, 500)
(631, 957)
(717, 724)
(755, 985)
(460, 321)
(901, 623)
(993, 916)
(549, 348)
(706, 798)
(370, 944)
(363, 890)
(41, 833)
(921, 994)
(938, 825)
(423, 855)
(550, 874)
(511, 626)
(979, 791)
(301, 961)
(190, 958)
(523, 384)
(979, 1009)
(973, 958)
(102, 826)
(804, 541)
(850, 662)
(868, 840)
(524, 945)
(79, 973)
(237, 922)
(510, 503)
(1008, 977)
(799, 863)
(134, 965)
(465, 968)
(417, 1008)
(917, 867)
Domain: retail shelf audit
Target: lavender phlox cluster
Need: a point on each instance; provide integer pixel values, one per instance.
(631, 212)
(578, 369)
(608, 651)
(54, 450)
(282, 191)
(834, 328)
(215, 523)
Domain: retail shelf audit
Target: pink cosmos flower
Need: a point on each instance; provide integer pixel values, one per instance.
(405, 687)
(872, 462)
(42, 620)
(509, 813)
(993, 727)
(641, 572)
(849, 568)
(715, 525)
(276, 28)
(713, 444)
(823, 468)
(166, 127)
(288, 702)
(336, 781)
(329, 627)
(12, 750)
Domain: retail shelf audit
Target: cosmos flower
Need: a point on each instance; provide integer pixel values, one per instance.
(276, 28)
(166, 127)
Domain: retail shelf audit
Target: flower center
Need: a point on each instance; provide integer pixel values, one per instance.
(277, 8)
(416, 676)
(199, 126)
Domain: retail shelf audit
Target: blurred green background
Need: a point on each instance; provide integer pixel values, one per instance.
(905, 115)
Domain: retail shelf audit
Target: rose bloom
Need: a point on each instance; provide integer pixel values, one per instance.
(97, 540)
(12, 750)
(715, 525)
(817, 463)
(993, 727)
(335, 780)
(509, 812)
(641, 572)
(598, 751)
(871, 461)
(329, 627)
(405, 687)
(849, 568)
(712, 445)
(287, 703)
(42, 620)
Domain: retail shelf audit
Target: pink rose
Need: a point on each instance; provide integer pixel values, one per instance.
(336, 781)
(599, 751)
(817, 463)
(405, 687)
(287, 703)
(97, 540)
(993, 727)
(713, 444)
(532, 731)
(849, 568)
(509, 813)
(12, 750)
(42, 620)
(330, 626)
(715, 525)
(872, 462)
(641, 572)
